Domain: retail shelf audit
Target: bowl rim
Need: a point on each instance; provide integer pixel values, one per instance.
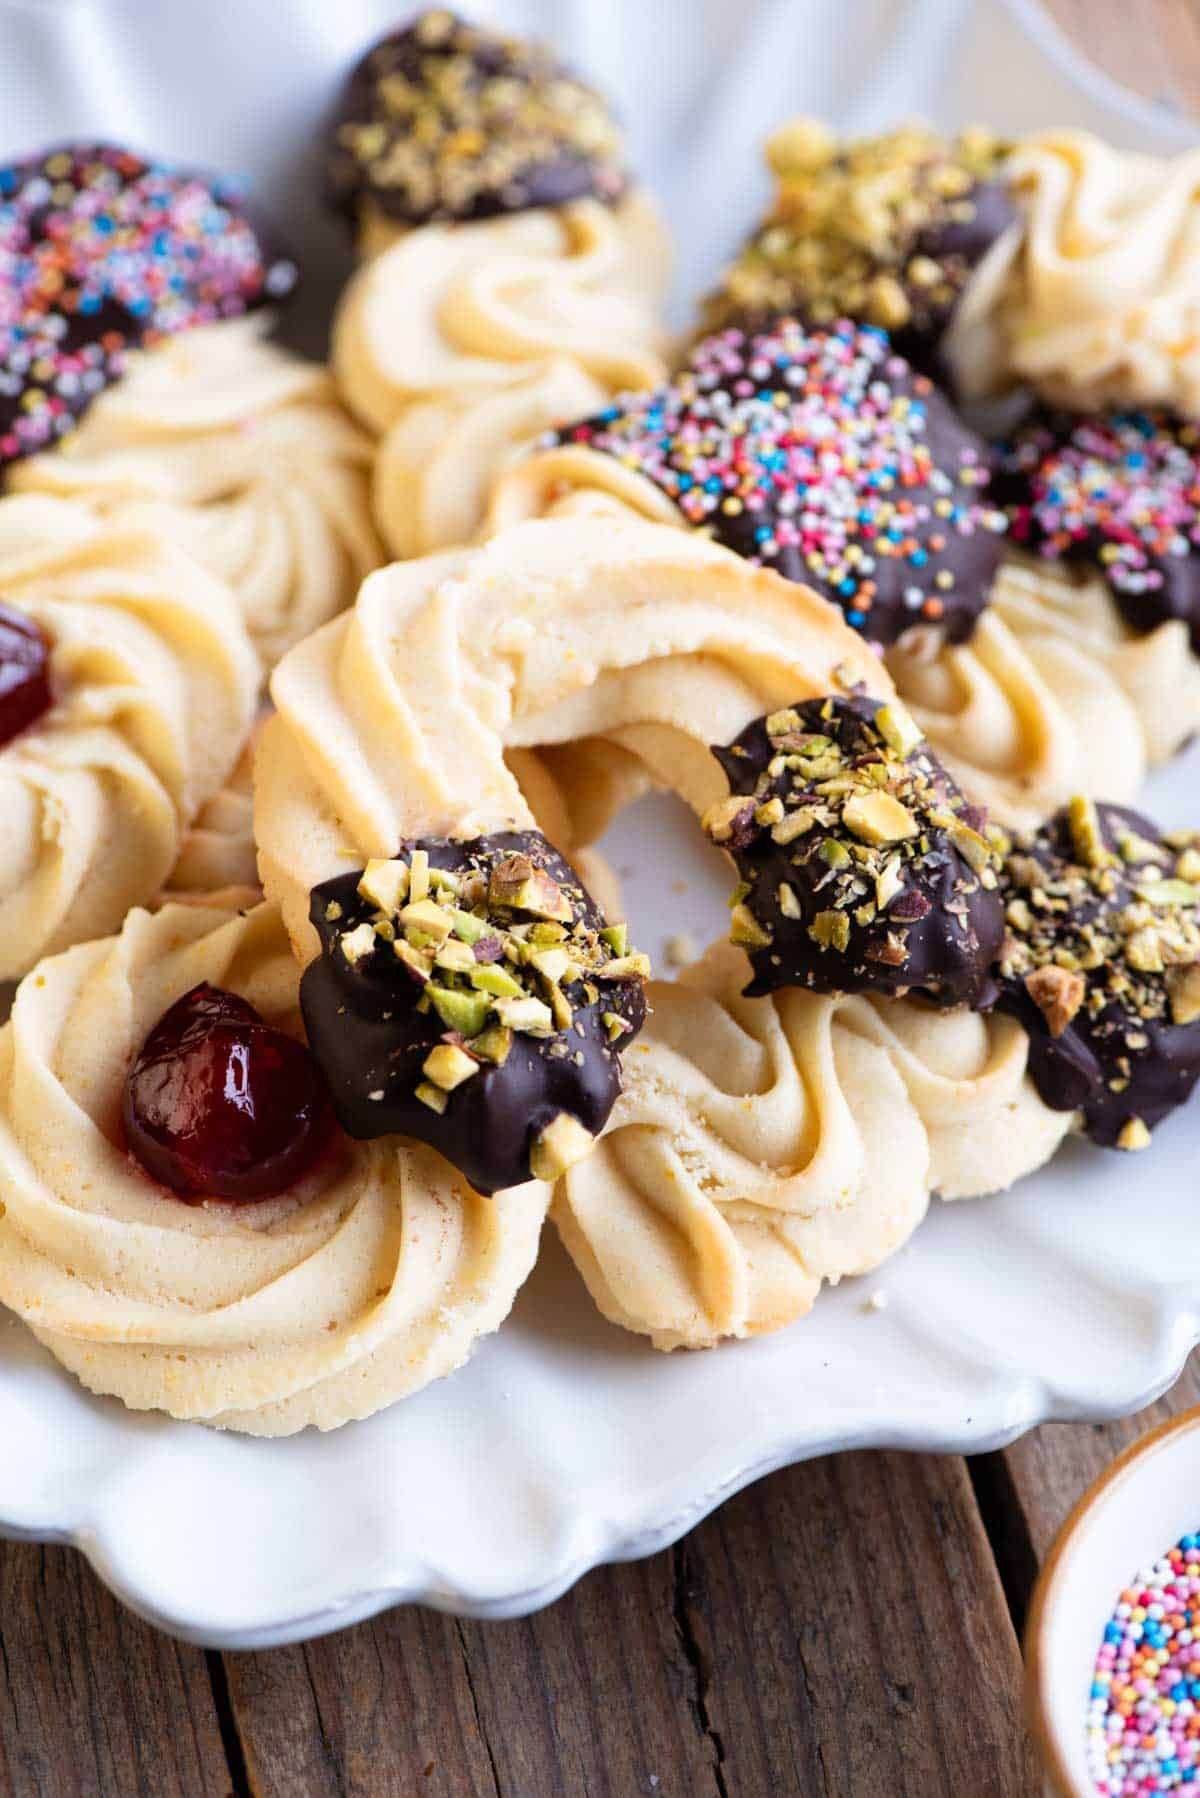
(1054, 1766)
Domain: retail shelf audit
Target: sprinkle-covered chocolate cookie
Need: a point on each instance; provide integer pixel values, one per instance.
(443, 120)
(883, 229)
(1120, 493)
(821, 454)
(471, 995)
(101, 253)
(1101, 964)
(863, 868)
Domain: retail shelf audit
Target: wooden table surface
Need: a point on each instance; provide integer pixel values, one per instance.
(847, 1629)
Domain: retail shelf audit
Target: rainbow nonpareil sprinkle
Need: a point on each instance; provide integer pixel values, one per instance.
(1121, 492)
(1143, 1726)
(1127, 485)
(102, 253)
(822, 454)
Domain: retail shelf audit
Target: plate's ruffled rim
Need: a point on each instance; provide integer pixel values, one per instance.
(1018, 1406)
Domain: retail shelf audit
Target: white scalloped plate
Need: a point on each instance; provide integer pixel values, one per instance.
(565, 1442)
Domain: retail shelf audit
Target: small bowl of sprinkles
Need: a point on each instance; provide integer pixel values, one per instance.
(1113, 1639)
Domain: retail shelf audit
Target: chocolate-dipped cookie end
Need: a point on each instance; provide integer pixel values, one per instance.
(863, 868)
(471, 995)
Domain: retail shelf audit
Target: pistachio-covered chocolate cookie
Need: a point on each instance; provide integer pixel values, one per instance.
(470, 994)
(444, 120)
(1101, 964)
(821, 454)
(1118, 493)
(887, 230)
(863, 868)
(102, 252)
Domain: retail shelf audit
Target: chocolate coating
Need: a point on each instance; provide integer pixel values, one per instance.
(443, 120)
(821, 454)
(863, 868)
(102, 253)
(368, 1032)
(884, 230)
(1105, 980)
(1119, 494)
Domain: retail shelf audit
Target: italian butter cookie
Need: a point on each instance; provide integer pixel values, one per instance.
(135, 375)
(461, 344)
(1098, 302)
(393, 722)
(332, 1277)
(218, 859)
(763, 1147)
(862, 867)
(241, 453)
(1106, 508)
(515, 275)
(105, 253)
(128, 691)
(470, 993)
(886, 230)
(1101, 965)
(823, 454)
(445, 120)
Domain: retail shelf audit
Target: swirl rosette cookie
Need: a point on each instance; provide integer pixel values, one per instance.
(1101, 965)
(823, 454)
(103, 253)
(515, 275)
(218, 858)
(240, 452)
(128, 690)
(1106, 507)
(393, 750)
(243, 1265)
(1097, 303)
(400, 720)
(133, 379)
(862, 867)
(442, 119)
(763, 1147)
(396, 747)
(888, 230)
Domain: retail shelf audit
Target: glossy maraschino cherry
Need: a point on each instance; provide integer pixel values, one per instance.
(219, 1104)
(24, 673)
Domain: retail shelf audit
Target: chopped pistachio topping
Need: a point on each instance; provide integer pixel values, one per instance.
(1104, 936)
(448, 1066)
(497, 952)
(845, 235)
(1183, 987)
(434, 1096)
(1137, 941)
(385, 884)
(859, 817)
(877, 817)
(745, 929)
(357, 942)
(561, 1144)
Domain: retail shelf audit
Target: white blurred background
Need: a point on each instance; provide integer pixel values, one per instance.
(244, 85)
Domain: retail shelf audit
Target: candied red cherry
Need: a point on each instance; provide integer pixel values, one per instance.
(24, 673)
(218, 1104)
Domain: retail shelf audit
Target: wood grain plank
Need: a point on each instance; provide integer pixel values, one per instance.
(849, 1616)
(384, 1708)
(600, 1694)
(594, 1695)
(92, 1700)
(824, 1633)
